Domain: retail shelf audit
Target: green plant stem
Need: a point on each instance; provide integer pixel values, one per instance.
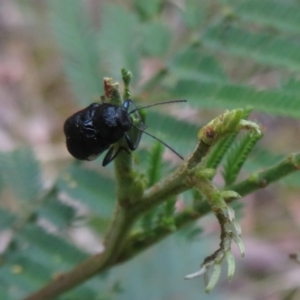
(124, 177)
(139, 242)
(136, 244)
(127, 210)
(172, 185)
(122, 221)
(258, 180)
(131, 205)
(118, 247)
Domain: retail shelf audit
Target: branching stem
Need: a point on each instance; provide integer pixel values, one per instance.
(132, 202)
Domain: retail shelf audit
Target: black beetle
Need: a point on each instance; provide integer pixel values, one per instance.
(91, 131)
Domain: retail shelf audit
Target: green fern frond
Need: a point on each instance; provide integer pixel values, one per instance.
(23, 283)
(263, 158)
(292, 86)
(237, 155)
(31, 273)
(77, 40)
(193, 63)
(88, 187)
(148, 9)
(7, 219)
(154, 82)
(20, 171)
(119, 40)
(282, 15)
(59, 250)
(153, 175)
(194, 12)
(165, 214)
(169, 208)
(216, 155)
(179, 134)
(210, 94)
(56, 212)
(88, 291)
(155, 163)
(4, 291)
(265, 48)
(35, 257)
(292, 181)
(156, 38)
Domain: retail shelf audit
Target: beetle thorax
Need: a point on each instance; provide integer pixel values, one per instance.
(123, 119)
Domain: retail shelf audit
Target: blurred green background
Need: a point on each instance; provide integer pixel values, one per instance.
(216, 54)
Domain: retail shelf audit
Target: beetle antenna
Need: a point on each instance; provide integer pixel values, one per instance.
(154, 137)
(158, 103)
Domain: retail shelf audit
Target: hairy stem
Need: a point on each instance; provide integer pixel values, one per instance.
(138, 243)
(259, 180)
(133, 202)
(127, 210)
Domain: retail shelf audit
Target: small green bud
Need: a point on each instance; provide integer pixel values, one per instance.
(126, 76)
(230, 195)
(231, 265)
(214, 278)
(205, 173)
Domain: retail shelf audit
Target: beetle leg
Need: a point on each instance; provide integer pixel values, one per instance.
(102, 98)
(110, 155)
(126, 104)
(132, 146)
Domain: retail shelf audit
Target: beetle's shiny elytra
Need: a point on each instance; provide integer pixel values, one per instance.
(91, 131)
